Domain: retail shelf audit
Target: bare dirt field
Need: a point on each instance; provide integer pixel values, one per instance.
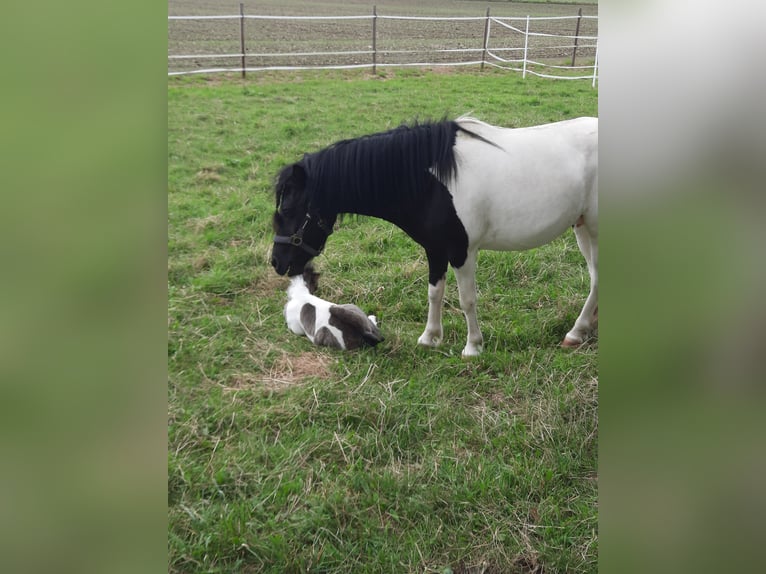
(397, 41)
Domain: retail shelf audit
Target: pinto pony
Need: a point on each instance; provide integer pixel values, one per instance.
(455, 187)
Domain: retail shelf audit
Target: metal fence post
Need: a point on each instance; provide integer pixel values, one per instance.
(486, 40)
(577, 36)
(242, 35)
(374, 40)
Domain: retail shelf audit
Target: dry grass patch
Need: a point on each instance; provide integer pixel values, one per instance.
(209, 174)
(268, 283)
(286, 372)
(303, 366)
(200, 224)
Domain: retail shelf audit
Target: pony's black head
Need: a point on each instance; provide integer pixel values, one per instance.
(300, 230)
(380, 175)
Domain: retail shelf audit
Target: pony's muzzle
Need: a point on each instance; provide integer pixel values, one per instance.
(280, 267)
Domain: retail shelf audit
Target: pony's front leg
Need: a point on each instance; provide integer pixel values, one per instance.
(466, 284)
(432, 336)
(437, 278)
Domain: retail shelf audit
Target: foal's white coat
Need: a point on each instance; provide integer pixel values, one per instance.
(298, 296)
(524, 193)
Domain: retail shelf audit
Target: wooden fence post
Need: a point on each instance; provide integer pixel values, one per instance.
(374, 40)
(486, 40)
(577, 36)
(242, 35)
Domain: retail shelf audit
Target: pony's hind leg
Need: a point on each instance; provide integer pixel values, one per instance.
(466, 284)
(586, 321)
(437, 277)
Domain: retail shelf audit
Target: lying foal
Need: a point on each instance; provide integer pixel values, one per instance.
(324, 323)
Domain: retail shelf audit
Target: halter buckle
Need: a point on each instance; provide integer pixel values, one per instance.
(296, 239)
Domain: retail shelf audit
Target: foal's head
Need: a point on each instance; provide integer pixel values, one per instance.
(311, 278)
(300, 230)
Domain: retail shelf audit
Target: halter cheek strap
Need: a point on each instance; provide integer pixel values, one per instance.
(296, 239)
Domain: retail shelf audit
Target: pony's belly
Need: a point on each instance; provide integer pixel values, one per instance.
(519, 237)
(501, 215)
(524, 224)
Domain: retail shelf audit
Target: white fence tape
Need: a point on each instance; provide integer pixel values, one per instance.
(204, 56)
(301, 54)
(489, 54)
(256, 17)
(380, 16)
(235, 17)
(497, 21)
(544, 35)
(434, 18)
(264, 17)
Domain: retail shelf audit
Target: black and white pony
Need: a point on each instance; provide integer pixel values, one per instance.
(454, 187)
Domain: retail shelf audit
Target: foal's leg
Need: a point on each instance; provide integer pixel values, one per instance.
(437, 276)
(588, 243)
(466, 284)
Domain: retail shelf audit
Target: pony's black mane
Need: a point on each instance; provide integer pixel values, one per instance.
(365, 174)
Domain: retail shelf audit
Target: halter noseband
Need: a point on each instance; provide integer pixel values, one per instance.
(296, 239)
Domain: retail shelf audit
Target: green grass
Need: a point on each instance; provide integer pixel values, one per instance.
(283, 457)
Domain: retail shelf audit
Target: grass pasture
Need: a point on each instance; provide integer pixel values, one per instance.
(283, 457)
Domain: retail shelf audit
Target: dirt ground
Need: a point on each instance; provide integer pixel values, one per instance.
(397, 41)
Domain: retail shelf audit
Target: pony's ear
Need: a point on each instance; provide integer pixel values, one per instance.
(295, 174)
(299, 175)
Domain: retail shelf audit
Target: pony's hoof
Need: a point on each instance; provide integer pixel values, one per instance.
(471, 351)
(571, 343)
(429, 340)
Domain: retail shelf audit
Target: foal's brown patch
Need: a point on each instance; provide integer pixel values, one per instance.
(356, 328)
(308, 318)
(325, 338)
(350, 321)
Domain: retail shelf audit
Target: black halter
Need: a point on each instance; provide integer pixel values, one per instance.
(296, 239)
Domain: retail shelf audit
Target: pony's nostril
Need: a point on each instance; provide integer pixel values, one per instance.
(274, 262)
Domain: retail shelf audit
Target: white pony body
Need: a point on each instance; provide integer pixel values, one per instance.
(512, 199)
(522, 192)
